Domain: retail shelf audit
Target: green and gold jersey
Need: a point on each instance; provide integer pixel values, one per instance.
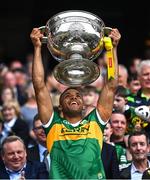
(75, 152)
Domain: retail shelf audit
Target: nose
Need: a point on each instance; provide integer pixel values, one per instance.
(16, 155)
(138, 146)
(115, 102)
(74, 97)
(119, 124)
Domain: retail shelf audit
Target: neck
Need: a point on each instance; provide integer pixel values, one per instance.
(73, 119)
(43, 144)
(141, 165)
(117, 138)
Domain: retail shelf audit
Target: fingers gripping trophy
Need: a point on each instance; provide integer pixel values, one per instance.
(75, 38)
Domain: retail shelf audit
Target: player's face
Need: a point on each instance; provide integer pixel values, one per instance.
(72, 101)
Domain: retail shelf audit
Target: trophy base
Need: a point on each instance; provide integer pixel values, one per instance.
(76, 72)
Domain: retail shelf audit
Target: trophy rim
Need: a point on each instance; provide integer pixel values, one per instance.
(76, 11)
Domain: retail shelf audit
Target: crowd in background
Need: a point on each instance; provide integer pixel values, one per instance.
(130, 116)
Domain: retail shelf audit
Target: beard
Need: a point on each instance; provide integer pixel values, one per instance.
(72, 112)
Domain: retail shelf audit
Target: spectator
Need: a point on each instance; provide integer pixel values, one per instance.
(138, 147)
(7, 94)
(133, 85)
(37, 152)
(123, 76)
(14, 164)
(15, 64)
(134, 63)
(9, 80)
(120, 101)
(29, 109)
(13, 124)
(109, 155)
(119, 125)
(143, 95)
(90, 98)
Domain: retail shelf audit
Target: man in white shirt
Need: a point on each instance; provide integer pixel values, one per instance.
(138, 146)
(14, 165)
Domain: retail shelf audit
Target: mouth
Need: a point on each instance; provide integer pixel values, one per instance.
(73, 103)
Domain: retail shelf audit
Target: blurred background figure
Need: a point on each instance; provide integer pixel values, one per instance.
(9, 80)
(133, 66)
(133, 85)
(15, 64)
(39, 150)
(7, 94)
(120, 100)
(55, 89)
(13, 124)
(123, 75)
(29, 109)
(107, 133)
(90, 98)
(101, 62)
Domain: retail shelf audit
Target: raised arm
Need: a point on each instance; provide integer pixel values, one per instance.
(44, 102)
(106, 98)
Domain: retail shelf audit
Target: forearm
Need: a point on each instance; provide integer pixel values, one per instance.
(37, 69)
(106, 99)
(116, 63)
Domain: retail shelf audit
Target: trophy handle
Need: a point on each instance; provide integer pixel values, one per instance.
(107, 31)
(43, 30)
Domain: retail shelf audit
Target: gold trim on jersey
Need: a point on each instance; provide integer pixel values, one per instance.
(88, 130)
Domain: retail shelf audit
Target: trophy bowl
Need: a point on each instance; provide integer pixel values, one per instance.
(75, 38)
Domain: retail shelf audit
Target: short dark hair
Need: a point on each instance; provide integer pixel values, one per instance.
(138, 133)
(116, 111)
(10, 139)
(35, 118)
(89, 88)
(121, 91)
(132, 77)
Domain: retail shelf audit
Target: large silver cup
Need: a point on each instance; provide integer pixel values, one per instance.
(75, 38)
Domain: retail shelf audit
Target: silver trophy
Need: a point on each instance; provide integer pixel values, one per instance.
(75, 38)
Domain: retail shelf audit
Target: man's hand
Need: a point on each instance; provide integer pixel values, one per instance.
(36, 36)
(115, 36)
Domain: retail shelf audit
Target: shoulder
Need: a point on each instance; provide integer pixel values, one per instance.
(21, 121)
(36, 170)
(34, 165)
(125, 173)
(110, 147)
(33, 149)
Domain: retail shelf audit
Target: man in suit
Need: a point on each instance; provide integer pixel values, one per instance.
(109, 155)
(14, 164)
(110, 161)
(138, 146)
(37, 152)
